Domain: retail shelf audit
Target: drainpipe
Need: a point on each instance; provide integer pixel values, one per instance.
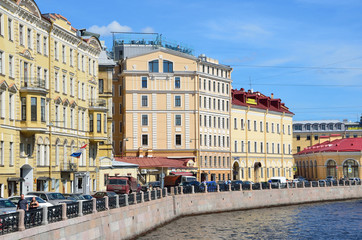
(50, 97)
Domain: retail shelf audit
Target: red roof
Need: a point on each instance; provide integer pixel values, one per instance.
(151, 162)
(257, 100)
(339, 145)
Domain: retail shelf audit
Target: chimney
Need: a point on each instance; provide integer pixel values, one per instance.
(272, 96)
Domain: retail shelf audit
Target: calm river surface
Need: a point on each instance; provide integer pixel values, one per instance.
(331, 220)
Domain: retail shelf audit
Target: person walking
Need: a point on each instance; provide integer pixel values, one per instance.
(34, 204)
(23, 203)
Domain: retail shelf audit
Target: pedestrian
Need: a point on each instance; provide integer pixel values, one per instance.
(34, 204)
(150, 187)
(23, 203)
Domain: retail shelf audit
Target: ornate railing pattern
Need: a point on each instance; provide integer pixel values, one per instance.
(55, 213)
(72, 210)
(112, 202)
(9, 223)
(87, 207)
(33, 218)
(101, 204)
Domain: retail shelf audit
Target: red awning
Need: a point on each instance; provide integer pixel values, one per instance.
(182, 173)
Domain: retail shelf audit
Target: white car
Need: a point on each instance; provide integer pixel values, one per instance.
(42, 203)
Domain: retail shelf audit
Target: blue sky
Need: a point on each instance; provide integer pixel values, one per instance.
(306, 52)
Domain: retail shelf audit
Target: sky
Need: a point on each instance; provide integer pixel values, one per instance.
(308, 53)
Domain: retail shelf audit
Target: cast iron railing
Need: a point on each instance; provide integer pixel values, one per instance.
(9, 223)
(131, 199)
(122, 200)
(72, 210)
(87, 207)
(100, 204)
(55, 213)
(112, 202)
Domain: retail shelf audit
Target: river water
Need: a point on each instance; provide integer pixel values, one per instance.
(330, 220)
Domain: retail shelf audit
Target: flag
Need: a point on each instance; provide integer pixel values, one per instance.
(78, 152)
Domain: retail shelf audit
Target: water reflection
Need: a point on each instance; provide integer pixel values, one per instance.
(333, 220)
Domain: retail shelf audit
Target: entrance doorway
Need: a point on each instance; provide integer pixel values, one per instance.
(213, 177)
(236, 171)
(204, 177)
(257, 167)
(26, 172)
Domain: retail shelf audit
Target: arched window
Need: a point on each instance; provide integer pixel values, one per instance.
(65, 152)
(57, 152)
(46, 152)
(153, 66)
(350, 168)
(167, 66)
(331, 168)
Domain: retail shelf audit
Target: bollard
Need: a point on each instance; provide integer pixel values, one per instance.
(149, 195)
(287, 185)
(350, 183)
(117, 201)
(337, 183)
(165, 189)
(278, 185)
(241, 187)
(192, 189)
(303, 184)
(134, 197)
(94, 205)
(126, 199)
(155, 193)
(251, 187)
(106, 202)
(318, 184)
(181, 190)
(21, 225)
(172, 191)
(45, 216)
(217, 188)
(80, 208)
(229, 187)
(269, 184)
(142, 197)
(64, 211)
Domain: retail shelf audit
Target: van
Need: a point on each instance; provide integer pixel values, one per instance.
(122, 184)
(188, 179)
(275, 180)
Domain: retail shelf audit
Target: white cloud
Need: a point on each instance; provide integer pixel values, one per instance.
(107, 30)
(148, 30)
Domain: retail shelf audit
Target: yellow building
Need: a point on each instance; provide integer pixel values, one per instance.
(333, 156)
(49, 102)
(261, 131)
(307, 133)
(169, 103)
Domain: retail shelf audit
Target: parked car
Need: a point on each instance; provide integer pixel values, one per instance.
(355, 179)
(87, 197)
(6, 206)
(155, 184)
(42, 203)
(330, 178)
(74, 196)
(54, 198)
(235, 183)
(102, 194)
(211, 186)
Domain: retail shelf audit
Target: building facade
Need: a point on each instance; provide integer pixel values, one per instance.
(261, 137)
(332, 156)
(172, 104)
(49, 102)
(307, 133)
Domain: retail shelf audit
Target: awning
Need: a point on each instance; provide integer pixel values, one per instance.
(16, 179)
(182, 173)
(43, 179)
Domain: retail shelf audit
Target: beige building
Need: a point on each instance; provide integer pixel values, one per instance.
(49, 102)
(172, 104)
(308, 133)
(333, 156)
(261, 137)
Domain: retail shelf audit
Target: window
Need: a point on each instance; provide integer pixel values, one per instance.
(38, 47)
(64, 84)
(72, 118)
(71, 86)
(298, 137)
(267, 127)
(255, 126)
(2, 65)
(45, 45)
(255, 147)
(56, 54)
(105, 123)
(308, 137)
(298, 149)
(144, 140)
(10, 28)
(261, 147)
(278, 130)
(11, 153)
(167, 66)
(89, 66)
(288, 129)
(236, 146)
(144, 82)
(249, 147)
(23, 109)
(261, 126)
(56, 82)
(91, 122)
(71, 57)
(178, 139)
(2, 153)
(42, 109)
(82, 63)
(177, 82)
(153, 66)
(178, 120)
(144, 101)
(177, 101)
(144, 120)
(315, 137)
(65, 117)
(99, 122)
(29, 39)
(249, 125)
(33, 109)
(83, 91)
(21, 34)
(272, 126)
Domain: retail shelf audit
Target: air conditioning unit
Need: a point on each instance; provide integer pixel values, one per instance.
(143, 171)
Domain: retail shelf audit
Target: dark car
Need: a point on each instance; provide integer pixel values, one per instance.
(74, 196)
(87, 197)
(54, 198)
(236, 184)
(103, 194)
(211, 186)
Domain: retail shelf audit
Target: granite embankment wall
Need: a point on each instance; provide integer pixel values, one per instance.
(130, 221)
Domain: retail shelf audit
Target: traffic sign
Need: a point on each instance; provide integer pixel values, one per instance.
(349, 170)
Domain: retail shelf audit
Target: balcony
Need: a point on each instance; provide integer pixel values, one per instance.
(33, 85)
(69, 167)
(99, 105)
